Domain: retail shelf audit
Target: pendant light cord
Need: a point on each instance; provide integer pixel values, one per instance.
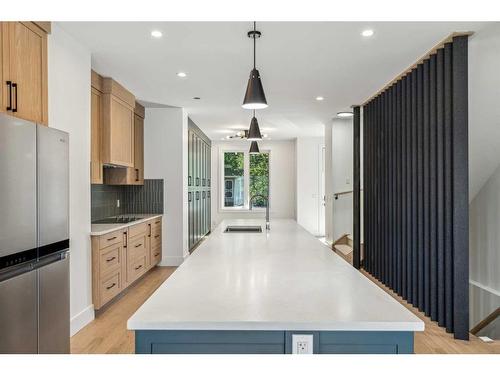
(254, 49)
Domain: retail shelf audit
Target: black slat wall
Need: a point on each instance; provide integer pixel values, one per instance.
(416, 187)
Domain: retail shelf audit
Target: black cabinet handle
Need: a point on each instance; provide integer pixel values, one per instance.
(14, 86)
(109, 287)
(204, 182)
(189, 180)
(110, 259)
(136, 268)
(203, 195)
(157, 236)
(208, 182)
(197, 181)
(138, 245)
(112, 238)
(137, 174)
(197, 195)
(189, 197)
(9, 85)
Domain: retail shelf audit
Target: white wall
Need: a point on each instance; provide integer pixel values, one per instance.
(281, 174)
(484, 174)
(69, 110)
(484, 250)
(308, 181)
(165, 157)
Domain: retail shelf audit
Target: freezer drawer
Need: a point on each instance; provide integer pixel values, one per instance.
(18, 314)
(53, 320)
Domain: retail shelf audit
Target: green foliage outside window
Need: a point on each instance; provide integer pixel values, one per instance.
(259, 178)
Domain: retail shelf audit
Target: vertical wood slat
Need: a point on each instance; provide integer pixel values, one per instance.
(409, 199)
(397, 182)
(404, 182)
(460, 155)
(426, 187)
(448, 165)
(420, 189)
(433, 305)
(414, 190)
(440, 157)
(356, 188)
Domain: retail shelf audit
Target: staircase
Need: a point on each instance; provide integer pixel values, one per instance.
(343, 246)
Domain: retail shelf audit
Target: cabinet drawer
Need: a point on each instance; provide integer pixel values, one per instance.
(110, 287)
(110, 239)
(138, 229)
(156, 224)
(136, 268)
(110, 259)
(155, 240)
(155, 255)
(137, 247)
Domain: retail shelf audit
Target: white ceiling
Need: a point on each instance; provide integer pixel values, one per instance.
(297, 61)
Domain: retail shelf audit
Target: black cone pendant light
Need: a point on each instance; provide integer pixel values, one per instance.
(254, 148)
(254, 96)
(254, 131)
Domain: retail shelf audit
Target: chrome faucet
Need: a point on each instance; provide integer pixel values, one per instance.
(268, 224)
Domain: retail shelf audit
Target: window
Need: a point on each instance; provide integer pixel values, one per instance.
(234, 187)
(244, 176)
(259, 178)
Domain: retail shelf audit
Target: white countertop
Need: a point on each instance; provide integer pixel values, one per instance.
(100, 229)
(282, 280)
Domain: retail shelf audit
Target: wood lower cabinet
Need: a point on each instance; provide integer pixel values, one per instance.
(24, 91)
(121, 257)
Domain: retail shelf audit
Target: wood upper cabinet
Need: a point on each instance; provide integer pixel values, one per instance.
(24, 71)
(117, 142)
(132, 175)
(96, 172)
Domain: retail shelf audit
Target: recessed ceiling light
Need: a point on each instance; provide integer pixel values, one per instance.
(367, 32)
(156, 34)
(319, 98)
(182, 75)
(344, 114)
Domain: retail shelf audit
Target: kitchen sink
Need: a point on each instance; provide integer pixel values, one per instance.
(116, 220)
(243, 229)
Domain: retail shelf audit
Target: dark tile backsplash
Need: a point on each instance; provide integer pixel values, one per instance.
(147, 199)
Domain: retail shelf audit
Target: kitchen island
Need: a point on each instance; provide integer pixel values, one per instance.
(251, 292)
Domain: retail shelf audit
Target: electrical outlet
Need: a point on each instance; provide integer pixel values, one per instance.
(302, 344)
(117, 203)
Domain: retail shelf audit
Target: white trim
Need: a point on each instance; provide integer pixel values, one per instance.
(484, 287)
(169, 261)
(81, 319)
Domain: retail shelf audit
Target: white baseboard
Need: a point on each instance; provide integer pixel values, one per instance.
(81, 319)
(171, 261)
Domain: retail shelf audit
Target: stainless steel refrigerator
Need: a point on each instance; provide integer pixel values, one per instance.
(34, 238)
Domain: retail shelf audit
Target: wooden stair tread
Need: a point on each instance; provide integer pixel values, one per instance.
(344, 249)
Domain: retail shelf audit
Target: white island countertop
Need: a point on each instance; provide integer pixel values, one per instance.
(285, 279)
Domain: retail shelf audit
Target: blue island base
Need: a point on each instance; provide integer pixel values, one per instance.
(270, 342)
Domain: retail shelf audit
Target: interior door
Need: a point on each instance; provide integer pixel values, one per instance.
(322, 201)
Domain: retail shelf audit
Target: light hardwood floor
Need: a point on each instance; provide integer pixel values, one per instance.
(108, 332)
